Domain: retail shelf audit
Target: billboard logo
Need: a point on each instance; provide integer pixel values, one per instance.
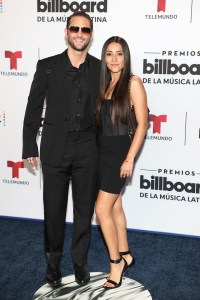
(65, 6)
(13, 56)
(3, 118)
(159, 183)
(161, 5)
(15, 167)
(165, 66)
(157, 120)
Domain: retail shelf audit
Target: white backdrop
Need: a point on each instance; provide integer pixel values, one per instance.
(163, 35)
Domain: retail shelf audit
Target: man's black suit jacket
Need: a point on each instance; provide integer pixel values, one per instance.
(50, 83)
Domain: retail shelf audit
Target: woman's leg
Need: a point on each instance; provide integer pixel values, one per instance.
(104, 211)
(121, 226)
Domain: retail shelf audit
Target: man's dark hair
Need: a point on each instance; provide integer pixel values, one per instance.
(80, 14)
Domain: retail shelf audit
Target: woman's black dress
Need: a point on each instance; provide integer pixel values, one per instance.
(114, 143)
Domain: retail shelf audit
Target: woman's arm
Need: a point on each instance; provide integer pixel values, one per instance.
(139, 100)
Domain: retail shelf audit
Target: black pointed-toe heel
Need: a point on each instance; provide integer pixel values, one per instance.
(114, 283)
(133, 259)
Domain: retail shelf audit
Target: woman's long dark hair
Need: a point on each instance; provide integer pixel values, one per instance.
(120, 95)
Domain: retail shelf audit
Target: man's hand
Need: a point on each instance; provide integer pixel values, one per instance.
(33, 160)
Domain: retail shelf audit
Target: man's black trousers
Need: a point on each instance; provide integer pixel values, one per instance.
(79, 165)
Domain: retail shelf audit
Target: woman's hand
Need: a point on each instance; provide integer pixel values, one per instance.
(126, 169)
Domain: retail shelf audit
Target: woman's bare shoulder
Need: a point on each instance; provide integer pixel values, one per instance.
(136, 80)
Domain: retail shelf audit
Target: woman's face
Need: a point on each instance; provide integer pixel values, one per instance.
(114, 57)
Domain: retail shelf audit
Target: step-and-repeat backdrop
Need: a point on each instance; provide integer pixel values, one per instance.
(163, 35)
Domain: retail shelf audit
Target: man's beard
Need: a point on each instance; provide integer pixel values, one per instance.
(78, 49)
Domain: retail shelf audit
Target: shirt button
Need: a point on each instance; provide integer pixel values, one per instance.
(78, 115)
(79, 100)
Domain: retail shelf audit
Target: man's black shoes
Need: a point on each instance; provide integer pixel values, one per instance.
(53, 275)
(82, 275)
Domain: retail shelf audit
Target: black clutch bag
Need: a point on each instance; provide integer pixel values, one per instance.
(132, 121)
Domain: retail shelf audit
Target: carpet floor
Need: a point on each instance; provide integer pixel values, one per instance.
(168, 266)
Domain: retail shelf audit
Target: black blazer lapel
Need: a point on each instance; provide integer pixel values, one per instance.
(60, 76)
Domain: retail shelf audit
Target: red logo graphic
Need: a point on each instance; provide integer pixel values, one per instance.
(157, 120)
(161, 5)
(15, 167)
(13, 58)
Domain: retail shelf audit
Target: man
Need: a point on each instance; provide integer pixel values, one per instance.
(69, 82)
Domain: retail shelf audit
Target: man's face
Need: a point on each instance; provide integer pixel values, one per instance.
(78, 40)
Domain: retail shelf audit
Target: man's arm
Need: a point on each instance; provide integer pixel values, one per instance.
(33, 113)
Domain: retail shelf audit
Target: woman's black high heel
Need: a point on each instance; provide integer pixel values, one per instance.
(132, 262)
(114, 283)
(127, 265)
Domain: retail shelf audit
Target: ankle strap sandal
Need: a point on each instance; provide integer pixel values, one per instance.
(114, 283)
(126, 253)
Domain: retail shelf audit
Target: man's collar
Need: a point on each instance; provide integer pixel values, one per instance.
(69, 64)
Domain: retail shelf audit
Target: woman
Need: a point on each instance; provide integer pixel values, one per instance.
(116, 151)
